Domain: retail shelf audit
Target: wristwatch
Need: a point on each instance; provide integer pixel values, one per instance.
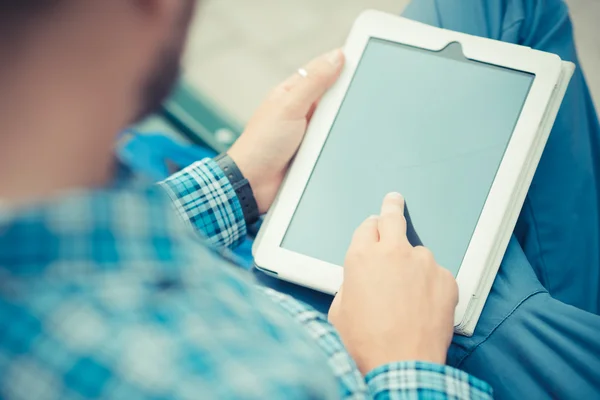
(242, 187)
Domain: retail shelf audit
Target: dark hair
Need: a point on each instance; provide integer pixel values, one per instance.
(16, 14)
(21, 7)
(17, 20)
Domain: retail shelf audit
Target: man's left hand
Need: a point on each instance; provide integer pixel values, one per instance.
(273, 135)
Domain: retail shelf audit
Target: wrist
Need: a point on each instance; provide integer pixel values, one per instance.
(260, 181)
(241, 186)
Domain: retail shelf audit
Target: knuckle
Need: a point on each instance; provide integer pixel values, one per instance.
(357, 250)
(357, 239)
(406, 252)
(283, 94)
(397, 213)
(424, 254)
(388, 249)
(279, 91)
(447, 275)
(448, 280)
(453, 293)
(384, 219)
(393, 217)
(352, 253)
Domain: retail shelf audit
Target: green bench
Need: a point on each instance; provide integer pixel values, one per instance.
(190, 116)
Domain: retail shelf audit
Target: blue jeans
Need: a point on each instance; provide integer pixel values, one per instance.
(539, 334)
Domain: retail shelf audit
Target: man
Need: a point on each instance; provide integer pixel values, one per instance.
(105, 294)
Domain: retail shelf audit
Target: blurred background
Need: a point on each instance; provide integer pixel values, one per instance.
(240, 49)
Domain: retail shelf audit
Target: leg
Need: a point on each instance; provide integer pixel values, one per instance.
(528, 344)
(559, 228)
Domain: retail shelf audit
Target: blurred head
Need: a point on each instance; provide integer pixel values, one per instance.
(73, 74)
(165, 69)
(138, 41)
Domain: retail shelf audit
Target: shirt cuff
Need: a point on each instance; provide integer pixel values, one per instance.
(420, 380)
(203, 197)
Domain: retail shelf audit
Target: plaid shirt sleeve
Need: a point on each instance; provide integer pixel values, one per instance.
(402, 380)
(424, 381)
(203, 197)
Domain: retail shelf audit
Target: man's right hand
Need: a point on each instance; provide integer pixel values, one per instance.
(396, 303)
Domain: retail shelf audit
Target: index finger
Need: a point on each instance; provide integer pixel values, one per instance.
(392, 223)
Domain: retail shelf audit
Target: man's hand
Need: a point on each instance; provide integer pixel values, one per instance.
(396, 303)
(272, 137)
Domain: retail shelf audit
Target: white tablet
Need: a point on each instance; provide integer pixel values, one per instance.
(454, 122)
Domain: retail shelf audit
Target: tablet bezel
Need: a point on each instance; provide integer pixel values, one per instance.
(326, 277)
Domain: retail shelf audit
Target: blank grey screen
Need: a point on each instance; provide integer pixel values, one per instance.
(432, 127)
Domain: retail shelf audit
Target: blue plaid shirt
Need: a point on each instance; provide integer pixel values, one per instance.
(107, 294)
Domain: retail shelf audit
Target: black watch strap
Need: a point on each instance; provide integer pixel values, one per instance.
(242, 187)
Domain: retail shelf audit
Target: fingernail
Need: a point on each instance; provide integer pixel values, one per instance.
(395, 196)
(374, 217)
(335, 57)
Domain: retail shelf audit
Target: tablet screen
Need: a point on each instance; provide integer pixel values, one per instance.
(429, 125)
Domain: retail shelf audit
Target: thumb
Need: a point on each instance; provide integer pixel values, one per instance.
(309, 84)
